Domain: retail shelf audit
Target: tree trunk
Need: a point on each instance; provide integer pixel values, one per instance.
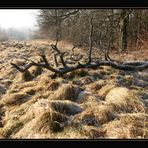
(138, 28)
(123, 31)
(112, 30)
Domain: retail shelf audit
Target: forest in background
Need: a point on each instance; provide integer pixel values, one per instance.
(120, 27)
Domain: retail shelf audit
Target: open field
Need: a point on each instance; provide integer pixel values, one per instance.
(100, 103)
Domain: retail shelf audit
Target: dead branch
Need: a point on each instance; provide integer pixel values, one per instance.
(55, 60)
(66, 69)
(64, 16)
(73, 52)
(61, 54)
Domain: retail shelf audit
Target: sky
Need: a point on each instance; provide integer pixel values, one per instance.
(18, 18)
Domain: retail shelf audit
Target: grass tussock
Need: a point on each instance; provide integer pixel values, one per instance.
(46, 120)
(94, 87)
(23, 85)
(105, 90)
(93, 132)
(15, 98)
(10, 128)
(53, 85)
(124, 100)
(95, 116)
(46, 123)
(66, 92)
(70, 133)
(66, 107)
(19, 62)
(128, 126)
(85, 96)
(22, 112)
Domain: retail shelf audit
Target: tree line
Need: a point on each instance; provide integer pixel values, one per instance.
(118, 27)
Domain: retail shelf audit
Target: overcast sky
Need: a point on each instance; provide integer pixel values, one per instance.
(18, 18)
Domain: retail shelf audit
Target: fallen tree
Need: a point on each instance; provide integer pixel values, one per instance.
(66, 67)
(133, 66)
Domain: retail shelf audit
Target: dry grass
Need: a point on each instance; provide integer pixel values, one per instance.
(32, 117)
(66, 92)
(93, 132)
(47, 121)
(77, 73)
(66, 107)
(87, 103)
(70, 133)
(124, 100)
(35, 71)
(23, 85)
(25, 76)
(85, 96)
(105, 90)
(10, 128)
(15, 98)
(95, 116)
(53, 85)
(128, 126)
(23, 112)
(19, 62)
(45, 124)
(95, 86)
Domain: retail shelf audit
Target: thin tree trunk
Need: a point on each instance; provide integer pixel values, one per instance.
(123, 31)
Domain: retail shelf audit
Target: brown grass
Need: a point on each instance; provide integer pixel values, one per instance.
(70, 133)
(10, 128)
(95, 116)
(95, 86)
(23, 85)
(15, 98)
(87, 103)
(128, 126)
(105, 90)
(66, 107)
(48, 121)
(85, 96)
(53, 85)
(25, 76)
(93, 132)
(124, 100)
(66, 92)
(43, 125)
(35, 71)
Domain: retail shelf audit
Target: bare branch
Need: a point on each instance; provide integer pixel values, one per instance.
(73, 50)
(107, 57)
(55, 60)
(54, 47)
(24, 68)
(64, 16)
(42, 65)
